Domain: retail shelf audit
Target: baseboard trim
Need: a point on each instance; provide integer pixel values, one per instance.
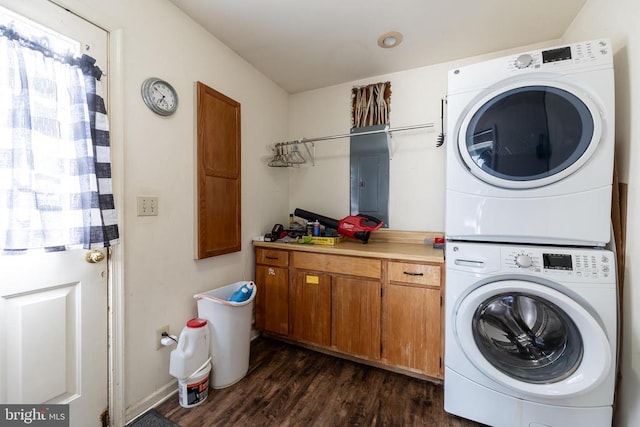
(151, 401)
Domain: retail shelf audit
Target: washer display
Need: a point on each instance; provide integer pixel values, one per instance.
(530, 330)
(531, 143)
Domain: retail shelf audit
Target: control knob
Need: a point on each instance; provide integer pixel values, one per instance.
(524, 60)
(523, 261)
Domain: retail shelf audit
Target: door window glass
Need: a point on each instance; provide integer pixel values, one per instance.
(527, 337)
(529, 133)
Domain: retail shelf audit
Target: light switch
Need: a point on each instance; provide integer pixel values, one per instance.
(147, 206)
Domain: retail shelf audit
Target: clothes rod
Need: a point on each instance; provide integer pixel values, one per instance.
(386, 130)
(282, 159)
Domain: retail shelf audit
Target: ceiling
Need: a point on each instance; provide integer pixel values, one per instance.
(303, 45)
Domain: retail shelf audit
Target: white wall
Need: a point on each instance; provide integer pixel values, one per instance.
(416, 191)
(618, 20)
(161, 275)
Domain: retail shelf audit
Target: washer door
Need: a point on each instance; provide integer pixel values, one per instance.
(532, 338)
(527, 135)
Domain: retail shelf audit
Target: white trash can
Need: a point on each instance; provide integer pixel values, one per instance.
(230, 325)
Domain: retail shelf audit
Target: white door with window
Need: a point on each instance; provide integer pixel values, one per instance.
(53, 306)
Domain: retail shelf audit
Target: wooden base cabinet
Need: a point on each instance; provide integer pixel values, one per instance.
(382, 310)
(272, 299)
(412, 317)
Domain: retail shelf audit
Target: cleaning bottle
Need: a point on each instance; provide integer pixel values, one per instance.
(243, 293)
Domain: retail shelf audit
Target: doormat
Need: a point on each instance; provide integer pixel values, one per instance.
(152, 418)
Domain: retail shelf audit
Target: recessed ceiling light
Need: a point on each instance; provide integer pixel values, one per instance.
(390, 39)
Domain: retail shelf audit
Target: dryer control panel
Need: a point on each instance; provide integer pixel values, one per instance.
(567, 59)
(557, 57)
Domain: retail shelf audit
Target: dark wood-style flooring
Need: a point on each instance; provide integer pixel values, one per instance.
(291, 386)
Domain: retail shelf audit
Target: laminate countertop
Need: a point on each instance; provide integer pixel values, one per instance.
(402, 245)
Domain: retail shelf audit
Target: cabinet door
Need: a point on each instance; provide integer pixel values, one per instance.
(356, 316)
(272, 300)
(311, 308)
(412, 328)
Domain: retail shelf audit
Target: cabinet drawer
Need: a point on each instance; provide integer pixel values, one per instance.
(418, 274)
(354, 266)
(272, 257)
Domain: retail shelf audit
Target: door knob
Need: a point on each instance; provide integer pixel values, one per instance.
(94, 256)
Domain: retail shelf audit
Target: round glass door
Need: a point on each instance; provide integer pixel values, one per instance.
(527, 337)
(529, 136)
(532, 338)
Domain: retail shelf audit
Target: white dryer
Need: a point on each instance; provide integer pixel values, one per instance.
(530, 147)
(530, 334)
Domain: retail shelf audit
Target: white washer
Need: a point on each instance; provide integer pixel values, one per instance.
(530, 147)
(530, 334)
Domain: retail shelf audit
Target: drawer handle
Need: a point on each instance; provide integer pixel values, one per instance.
(408, 273)
(271, 257)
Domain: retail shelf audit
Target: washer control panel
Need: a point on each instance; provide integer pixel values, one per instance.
(558, 262)
(575, 53)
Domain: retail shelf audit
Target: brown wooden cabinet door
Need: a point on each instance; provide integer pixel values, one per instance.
(412, 328)
(272, 300)
(219, 171)
(310, 305)
(356, 316)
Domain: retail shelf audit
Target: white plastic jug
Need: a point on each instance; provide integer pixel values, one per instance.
(192, 350)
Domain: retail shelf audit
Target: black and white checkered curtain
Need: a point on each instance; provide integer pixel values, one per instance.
(55, 172)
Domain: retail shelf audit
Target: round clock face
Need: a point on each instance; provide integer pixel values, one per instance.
(159, 96)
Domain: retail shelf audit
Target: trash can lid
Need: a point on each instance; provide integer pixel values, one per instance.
(196, 323)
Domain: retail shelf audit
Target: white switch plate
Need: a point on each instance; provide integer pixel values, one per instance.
(147, 206)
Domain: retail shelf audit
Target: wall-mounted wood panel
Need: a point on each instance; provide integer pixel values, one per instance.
(219, 214)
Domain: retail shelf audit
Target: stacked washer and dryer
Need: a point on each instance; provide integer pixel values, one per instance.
(531, 301)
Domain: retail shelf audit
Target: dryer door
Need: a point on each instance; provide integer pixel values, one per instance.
(526, 135)
(532, 339)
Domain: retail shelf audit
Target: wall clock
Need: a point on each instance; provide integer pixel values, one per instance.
(159, 96)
